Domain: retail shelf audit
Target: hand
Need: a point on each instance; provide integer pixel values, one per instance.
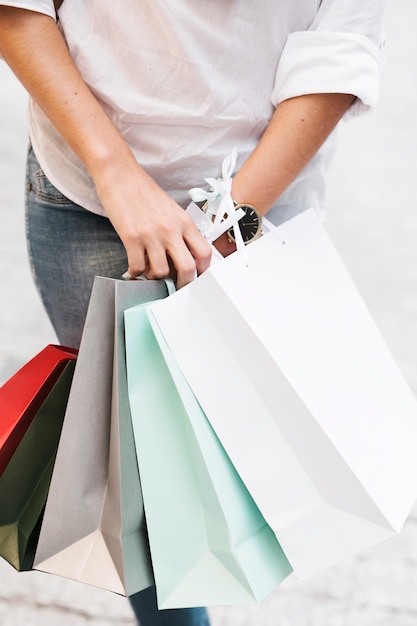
(160, 238)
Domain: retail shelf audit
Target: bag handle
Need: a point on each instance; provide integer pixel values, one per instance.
(170, 284)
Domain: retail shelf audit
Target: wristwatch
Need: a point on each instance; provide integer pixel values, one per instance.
(250, 224)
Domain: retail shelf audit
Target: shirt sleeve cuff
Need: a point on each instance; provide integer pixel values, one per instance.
(325, 62)
(39, 6)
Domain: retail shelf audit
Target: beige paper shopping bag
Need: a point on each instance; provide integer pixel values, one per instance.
(94, 529)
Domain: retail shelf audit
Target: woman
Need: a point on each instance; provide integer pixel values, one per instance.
(133, 103)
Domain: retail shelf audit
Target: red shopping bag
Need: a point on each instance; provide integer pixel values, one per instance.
(22, 396)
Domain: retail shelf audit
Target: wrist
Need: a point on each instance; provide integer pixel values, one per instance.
(242, 194)
(120, 168)
(109, 157)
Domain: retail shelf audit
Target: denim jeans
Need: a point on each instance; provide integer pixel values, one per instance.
(68, 246)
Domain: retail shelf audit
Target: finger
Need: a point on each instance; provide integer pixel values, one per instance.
(186, 271)
(157, 265)
(200, 249)
(184, 263)
(137, 262)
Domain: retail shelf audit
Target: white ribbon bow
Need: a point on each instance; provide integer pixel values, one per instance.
(220, 204)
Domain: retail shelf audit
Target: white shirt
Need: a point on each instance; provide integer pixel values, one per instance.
(186, 81)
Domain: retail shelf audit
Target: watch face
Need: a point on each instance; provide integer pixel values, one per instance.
(250, 224)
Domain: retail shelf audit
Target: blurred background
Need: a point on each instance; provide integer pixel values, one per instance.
(372, 218)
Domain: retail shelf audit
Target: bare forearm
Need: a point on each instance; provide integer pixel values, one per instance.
(35, 50)
(153, 228)
(297, 129)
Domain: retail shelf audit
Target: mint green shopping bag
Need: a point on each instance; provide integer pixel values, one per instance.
(209, 543)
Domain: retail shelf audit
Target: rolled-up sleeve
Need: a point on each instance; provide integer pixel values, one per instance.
(39, 6)
(342, 52)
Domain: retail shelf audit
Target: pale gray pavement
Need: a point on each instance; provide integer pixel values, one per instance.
(373, 220)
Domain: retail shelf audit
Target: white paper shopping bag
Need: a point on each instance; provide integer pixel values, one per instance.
(296, 380)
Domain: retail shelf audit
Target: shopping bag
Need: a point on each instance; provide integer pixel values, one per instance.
(210, 545)
(93, 529)
(298, 384)
(25, 482)
(23, 394)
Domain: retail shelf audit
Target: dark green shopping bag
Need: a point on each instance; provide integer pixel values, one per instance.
(25, 482)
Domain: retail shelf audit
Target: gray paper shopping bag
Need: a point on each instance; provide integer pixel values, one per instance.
(94, 529)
